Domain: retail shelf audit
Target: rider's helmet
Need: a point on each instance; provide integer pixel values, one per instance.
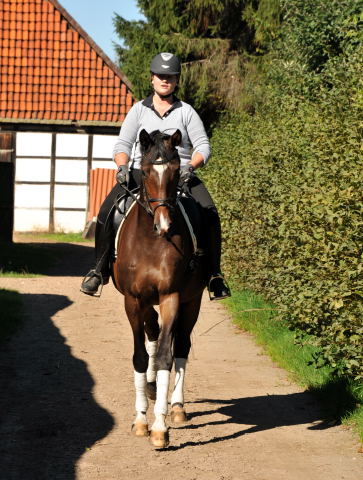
(165, 63)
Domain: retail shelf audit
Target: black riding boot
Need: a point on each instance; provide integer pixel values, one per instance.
(100, 275)
(217, 287)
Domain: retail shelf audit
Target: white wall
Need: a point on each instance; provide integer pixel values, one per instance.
(103, 148)
(30, 143)
(32, 201)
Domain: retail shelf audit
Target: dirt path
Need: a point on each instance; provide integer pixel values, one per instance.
(66, 399)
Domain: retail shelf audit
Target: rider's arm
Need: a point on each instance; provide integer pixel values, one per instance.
(121, 159)
(198, 138)
(197, 160)
(127, 136)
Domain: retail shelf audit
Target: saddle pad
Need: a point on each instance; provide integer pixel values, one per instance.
(122, 222)
(189, 225)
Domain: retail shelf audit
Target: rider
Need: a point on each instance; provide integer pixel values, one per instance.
(165, 112)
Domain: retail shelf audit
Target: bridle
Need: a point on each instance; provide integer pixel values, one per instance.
(169, 202)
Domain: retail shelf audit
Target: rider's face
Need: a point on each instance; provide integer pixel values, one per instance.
(164, 84)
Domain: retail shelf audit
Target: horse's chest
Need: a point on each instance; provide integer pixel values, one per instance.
(156, 276)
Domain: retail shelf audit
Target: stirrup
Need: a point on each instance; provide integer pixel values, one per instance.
(91, 274)
(213, 277)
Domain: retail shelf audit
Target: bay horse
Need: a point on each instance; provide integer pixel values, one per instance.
(153, 267)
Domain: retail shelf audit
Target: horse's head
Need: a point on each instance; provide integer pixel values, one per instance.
(160, 168)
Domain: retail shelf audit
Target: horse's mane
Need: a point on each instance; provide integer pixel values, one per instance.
(158, 142)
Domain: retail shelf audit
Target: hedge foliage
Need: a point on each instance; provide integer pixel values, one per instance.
(288, 179)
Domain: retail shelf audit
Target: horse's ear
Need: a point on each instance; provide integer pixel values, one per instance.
(145, 139)
(176, 138)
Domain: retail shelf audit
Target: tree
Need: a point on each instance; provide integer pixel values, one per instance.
(212, 38)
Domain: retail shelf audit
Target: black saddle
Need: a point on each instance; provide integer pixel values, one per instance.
(120, 208)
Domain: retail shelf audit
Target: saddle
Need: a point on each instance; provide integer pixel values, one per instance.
(187, 206)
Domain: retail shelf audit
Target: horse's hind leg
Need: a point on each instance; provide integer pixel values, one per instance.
(140, 361)
(178, 414)
(152, 330)
(187, 318)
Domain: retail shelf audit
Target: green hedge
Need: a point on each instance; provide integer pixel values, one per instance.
(288, 181)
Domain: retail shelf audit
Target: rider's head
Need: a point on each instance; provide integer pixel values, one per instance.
(166, 68)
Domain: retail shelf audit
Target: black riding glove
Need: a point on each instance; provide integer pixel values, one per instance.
(122, 175)
(186, 173)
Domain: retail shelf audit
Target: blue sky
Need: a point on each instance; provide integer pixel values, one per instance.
(95, 17)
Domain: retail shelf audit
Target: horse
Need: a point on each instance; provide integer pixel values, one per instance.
(156, 265)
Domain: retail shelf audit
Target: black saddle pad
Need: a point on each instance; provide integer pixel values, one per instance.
(194, 214)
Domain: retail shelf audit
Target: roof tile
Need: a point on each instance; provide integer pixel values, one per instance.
(52, 70)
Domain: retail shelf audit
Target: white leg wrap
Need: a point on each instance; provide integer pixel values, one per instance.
(151, 348)
(159, 425)
(141, 403)
(178, 392)
(162, 387)
(140, 418)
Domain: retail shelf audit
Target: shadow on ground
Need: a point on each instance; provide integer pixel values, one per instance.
(53, 259)
(48, 416)
(255, 414)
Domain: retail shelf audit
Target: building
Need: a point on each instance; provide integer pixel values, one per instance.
(62, 103)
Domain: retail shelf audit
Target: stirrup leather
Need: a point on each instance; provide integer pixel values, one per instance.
(91, 274)
(213, 277)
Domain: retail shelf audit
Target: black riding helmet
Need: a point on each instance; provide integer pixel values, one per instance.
(165, 63)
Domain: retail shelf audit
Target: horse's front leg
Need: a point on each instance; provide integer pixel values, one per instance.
(169, 306)
(152, 331)
(135, 312)
(188, 315)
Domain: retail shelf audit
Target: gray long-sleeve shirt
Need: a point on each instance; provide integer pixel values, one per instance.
(180, 116)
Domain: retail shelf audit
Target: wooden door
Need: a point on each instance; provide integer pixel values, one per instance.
(7, 167)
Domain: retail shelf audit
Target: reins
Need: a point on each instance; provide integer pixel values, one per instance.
(162, 202)
(134, 197)
(168, 202)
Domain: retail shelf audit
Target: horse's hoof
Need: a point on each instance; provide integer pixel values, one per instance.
(151, 390)
(159, 439)
(178, 414)
(140, 429)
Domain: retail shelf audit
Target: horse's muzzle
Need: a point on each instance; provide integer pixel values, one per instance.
(162, 222)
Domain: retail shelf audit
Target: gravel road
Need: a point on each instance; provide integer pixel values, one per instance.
(66, 398)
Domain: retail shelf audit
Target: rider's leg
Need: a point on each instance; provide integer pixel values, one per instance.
(135, 178)
(104, 237)
(217, 286)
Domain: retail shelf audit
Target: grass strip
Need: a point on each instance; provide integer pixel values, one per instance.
(11, 312)
(54, 237)
(341, 399)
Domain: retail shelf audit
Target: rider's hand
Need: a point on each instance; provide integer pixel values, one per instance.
(186, 173)
(122, 175)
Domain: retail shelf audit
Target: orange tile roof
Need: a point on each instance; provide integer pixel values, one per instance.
(53, 72)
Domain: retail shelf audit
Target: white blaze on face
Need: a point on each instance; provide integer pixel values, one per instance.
(160, 169)
(164, 222)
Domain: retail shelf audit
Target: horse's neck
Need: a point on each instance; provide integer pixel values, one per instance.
(143, 218)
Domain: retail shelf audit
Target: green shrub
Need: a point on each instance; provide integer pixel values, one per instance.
(288, 181)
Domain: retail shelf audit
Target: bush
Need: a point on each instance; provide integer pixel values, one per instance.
(288, 181)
